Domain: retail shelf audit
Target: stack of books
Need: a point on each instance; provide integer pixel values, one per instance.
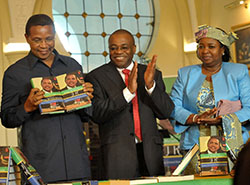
(171, 154)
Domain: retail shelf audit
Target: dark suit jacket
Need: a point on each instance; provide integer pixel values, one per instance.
(115, 118)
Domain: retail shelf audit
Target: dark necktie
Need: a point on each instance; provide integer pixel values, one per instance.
(137, 123)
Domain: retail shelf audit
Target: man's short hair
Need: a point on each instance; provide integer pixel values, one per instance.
(214, 137)
(39, 20)
(122, 31)
(46, 78)
(68, 74)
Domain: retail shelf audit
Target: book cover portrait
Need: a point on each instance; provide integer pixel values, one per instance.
(71, 87)
(52, 101)
(62, 93)
(213, 156)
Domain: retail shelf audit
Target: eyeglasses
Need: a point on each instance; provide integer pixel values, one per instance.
(39, 41)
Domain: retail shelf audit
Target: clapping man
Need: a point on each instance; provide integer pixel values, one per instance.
(128, 98)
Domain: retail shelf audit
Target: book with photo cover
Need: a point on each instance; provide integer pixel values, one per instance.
(186, 159)
(213, 157)
(62, 93)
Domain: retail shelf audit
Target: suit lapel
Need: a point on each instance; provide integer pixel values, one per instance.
(114, 76)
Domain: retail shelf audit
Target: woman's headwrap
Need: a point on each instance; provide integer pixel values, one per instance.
(215, 33)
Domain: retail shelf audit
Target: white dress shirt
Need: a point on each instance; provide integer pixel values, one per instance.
(126, 93)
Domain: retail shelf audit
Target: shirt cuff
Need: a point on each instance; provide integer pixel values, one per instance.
(151, 89)
(128, 95)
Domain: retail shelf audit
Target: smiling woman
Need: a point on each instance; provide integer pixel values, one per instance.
(199, 88)
(84, 27)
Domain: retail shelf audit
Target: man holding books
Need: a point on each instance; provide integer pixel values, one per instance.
(54, 144)
(128, 98)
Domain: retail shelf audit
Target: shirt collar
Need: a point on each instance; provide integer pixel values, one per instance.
(209, 152)
(33, 60)
(130, 67)
(68, 87)
(46, 91)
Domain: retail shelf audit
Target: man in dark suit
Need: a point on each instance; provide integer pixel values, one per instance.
(129, 151)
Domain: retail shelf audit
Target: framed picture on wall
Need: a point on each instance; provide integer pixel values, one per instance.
(242, 45)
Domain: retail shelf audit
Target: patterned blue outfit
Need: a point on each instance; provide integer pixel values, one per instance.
(232, 82)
